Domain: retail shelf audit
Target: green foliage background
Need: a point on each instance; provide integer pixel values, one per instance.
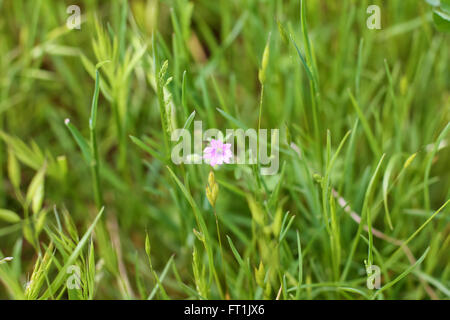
(364, 127)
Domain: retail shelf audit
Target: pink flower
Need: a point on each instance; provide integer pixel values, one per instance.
(217, 153)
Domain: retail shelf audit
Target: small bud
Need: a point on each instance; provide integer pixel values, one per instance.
(67, 121)
(366, 264)
(62, 165)
(264, 63)
(409, 160)
(13, 169)
(260, 274)
(148, 247)
(163, 70)
(211, 178)
(148, 250)
(403, 85)
(199, 235)
(168, 81)
(317, 177)
(212, 189)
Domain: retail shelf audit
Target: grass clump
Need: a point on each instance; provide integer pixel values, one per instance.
(93, 207)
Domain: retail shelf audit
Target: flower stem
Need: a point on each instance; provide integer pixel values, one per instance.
(221, 251)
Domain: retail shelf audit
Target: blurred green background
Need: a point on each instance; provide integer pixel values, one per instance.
(390, 87)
